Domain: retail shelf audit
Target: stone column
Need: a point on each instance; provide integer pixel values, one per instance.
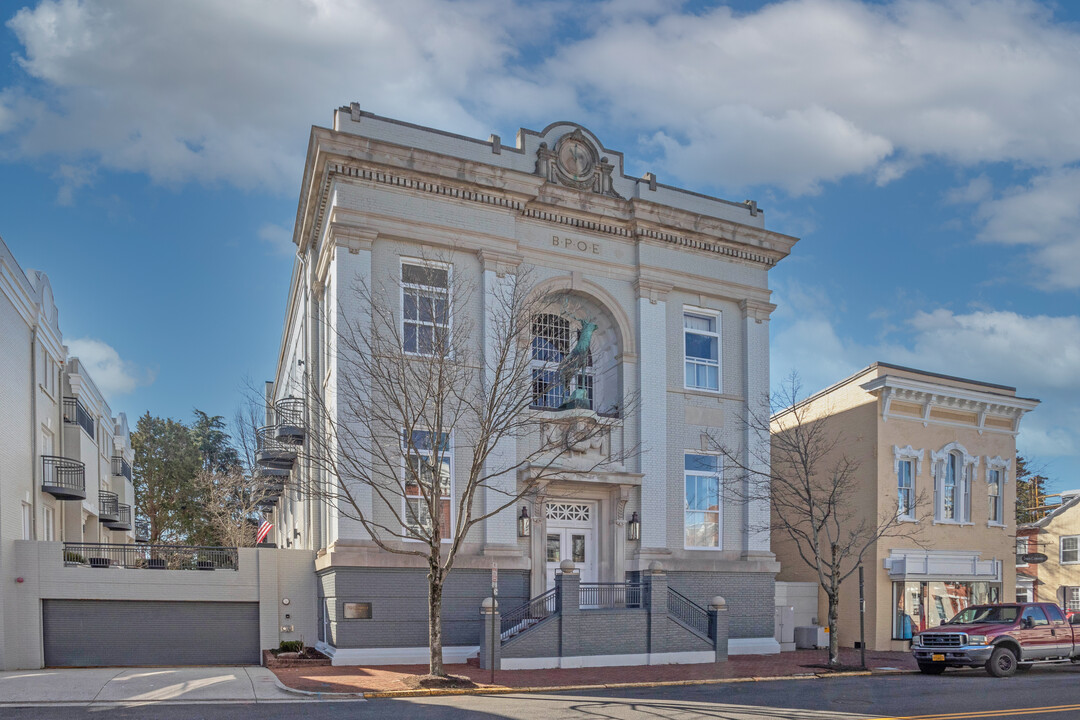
(490, 634)
(568, 585)
(756, 392)
(657, 589)
(718, 627)
(653, 344)
(499, 276)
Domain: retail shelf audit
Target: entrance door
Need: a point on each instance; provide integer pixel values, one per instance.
(570, 536)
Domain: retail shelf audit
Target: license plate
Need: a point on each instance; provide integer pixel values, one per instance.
(937, 658)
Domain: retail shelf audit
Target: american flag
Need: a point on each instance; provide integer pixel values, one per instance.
(264, 530)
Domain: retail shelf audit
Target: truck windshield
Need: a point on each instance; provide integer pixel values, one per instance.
(986, 614)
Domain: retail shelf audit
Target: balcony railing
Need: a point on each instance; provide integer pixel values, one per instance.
(123, 519)
(142, 531)
(108, 506)
(290, 420)
(151, 557)
(76, 414)
(63, 478)
(271, 452)
(120, 466)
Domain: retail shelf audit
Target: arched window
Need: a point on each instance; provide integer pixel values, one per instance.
(953, 472)
(949, 488)
(550, 344)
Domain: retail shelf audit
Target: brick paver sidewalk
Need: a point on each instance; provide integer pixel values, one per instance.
(388, 677)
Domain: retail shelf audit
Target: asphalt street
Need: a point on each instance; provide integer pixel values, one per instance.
(1044, 693)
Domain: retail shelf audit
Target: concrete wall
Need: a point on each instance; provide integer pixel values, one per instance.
(265, 576)
(399, 604)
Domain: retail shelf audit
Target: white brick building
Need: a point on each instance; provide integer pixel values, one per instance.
(65, 463)
(678, 284)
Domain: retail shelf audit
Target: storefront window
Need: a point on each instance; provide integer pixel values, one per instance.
(920, 606)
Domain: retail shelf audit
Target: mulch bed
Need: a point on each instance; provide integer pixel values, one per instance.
(433, 682)
(309, 658)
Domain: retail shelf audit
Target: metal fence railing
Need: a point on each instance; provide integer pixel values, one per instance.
(525, 616)
(151, 557)
(108, 506)
(612, 595)
(120, 466)
(123, 518)
(76, 414)
(64, 474)
(688, 612)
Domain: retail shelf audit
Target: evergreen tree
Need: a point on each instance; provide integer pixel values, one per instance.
(1030, 491)
(166, 461)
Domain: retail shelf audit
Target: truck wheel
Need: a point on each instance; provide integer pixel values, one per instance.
(1002, 663)
(931, 669)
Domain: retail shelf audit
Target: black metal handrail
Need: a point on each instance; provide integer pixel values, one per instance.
(152, 557)
(611, 595)
(108, 504)
(142, 531)
(120, 466)
(124, 515)
(290, 411)
(266, 440)
(524, 616)
(688, 612)
(62, 472)
(76, 414)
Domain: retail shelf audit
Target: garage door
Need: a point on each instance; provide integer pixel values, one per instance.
(87, 633)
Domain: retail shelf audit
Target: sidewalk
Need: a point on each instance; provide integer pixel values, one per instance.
(139, 686)
(388, 678)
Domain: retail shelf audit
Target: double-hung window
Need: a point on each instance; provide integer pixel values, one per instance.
(1021, 550)
(701, 343)
(427, 483)
(703, 514)
(1070, 549)
(425, 308)
(950, 489)
(905, 490)
(993, 494)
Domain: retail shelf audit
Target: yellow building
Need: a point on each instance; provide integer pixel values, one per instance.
(938, 454)
(1058, 537)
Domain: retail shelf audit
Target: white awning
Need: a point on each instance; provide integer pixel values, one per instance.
(947, 565)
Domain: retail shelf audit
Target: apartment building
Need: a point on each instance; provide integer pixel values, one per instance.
(938, 454)
(65, 466)
(674, 285)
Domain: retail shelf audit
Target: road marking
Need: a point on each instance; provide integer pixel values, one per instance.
(988, 713)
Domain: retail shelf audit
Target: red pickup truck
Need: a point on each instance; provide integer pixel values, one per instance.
(1003, 638)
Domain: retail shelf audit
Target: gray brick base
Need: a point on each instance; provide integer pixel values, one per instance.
(750, 598)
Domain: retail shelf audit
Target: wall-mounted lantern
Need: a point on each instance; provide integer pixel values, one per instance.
(524, 523)
(633, 528)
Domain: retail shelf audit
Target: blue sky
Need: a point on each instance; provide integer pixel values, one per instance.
(925, 152)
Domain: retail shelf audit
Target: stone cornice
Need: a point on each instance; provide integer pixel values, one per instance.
(945, 397)
(545, 203)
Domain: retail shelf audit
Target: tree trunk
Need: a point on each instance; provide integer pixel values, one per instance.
(834, 617)
(435, 583)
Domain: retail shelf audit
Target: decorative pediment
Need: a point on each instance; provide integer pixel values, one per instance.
(575, 162)
(907, 453)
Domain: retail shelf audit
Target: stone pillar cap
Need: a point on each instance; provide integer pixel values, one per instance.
(656, 566)
(567, 567)
(718, 603)
(485, 606)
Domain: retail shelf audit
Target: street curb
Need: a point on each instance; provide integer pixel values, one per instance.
(614, 686)
(317, 694)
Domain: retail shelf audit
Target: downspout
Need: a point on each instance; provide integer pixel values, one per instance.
(33, 432)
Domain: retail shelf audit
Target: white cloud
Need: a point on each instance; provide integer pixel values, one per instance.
(1045, 216)
(1039, 355)
(277, 238)
(795, 94)
(112, 375)
(71, 178)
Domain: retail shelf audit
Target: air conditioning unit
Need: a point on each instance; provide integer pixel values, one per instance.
(811, 636)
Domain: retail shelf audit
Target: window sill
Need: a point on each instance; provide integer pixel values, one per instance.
(707, 549)
(953, 522)
(995, 524)
(701, 392)
(911, 520)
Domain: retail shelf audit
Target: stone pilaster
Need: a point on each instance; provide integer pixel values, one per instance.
(756, 391)
(652, 414)
(718, 627)
(490, 637)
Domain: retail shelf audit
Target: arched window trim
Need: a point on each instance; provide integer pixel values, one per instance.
(967, 465)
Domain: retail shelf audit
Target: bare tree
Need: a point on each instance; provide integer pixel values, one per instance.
(811, 481)
(405, 388)
(230, 504)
